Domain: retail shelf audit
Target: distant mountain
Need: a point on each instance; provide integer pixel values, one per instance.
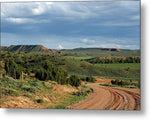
(103, 49)
(103, 52)
(28, 48)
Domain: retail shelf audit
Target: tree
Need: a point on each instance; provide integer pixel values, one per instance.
(51, 72)
(12, 68)
(75, 81)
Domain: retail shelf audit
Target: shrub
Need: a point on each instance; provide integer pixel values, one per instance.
(80, 93)
(29, 88)
(39, 100)
(83, 93)
(29, 95)
(10, 91)
(90, 79)
(74, 80)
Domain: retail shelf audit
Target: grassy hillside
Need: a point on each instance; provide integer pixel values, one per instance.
(27, 48)
(34, 61)
(97, 52)
(116, 70)
(29, 93)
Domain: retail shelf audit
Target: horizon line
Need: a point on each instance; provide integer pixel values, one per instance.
(75, 48)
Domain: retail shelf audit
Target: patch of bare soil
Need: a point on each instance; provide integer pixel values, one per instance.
(98, 80)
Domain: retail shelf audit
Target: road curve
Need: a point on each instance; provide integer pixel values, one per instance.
(110, 98)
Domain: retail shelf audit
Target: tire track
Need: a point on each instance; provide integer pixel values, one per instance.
(110, 98)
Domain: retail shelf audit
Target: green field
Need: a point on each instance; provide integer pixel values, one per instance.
(134, 66)
(80, 57)
(115, 70)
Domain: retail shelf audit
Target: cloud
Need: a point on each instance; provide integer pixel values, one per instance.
(16, 9)
(38, 11)
(77, 24)
(87, 41)
(60, 47)
(25, 20)
(49, 4)
(72, 11)
(19, 20)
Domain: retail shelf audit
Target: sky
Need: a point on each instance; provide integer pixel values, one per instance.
(67, 25)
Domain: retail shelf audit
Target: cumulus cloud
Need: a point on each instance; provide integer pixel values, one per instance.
(60, 47)
(38, 11)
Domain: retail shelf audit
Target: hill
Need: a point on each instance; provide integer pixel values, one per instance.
(102, 49)
(96, 52)
(28, 48)
(103, 52)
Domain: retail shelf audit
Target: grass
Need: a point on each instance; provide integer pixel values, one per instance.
(123, 71)
(80, 57)
(70, 100)
(74, 63)
(134, 66)
(114, 71)
(43, 94)
(98, 52)
(125, 83)
(29, 88)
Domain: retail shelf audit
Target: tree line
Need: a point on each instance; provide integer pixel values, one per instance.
(46, 72)
(115, 60)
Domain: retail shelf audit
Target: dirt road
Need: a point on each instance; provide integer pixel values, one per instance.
(110, 98)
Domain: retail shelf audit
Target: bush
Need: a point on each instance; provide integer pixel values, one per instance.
(83, 93)
(9, 82)
(90, 79)
(39, 100)
(80, 93)
(74, 80)
(28, 88)
(10, 91)
(29, 95)
(117, 82)
(126, 83)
